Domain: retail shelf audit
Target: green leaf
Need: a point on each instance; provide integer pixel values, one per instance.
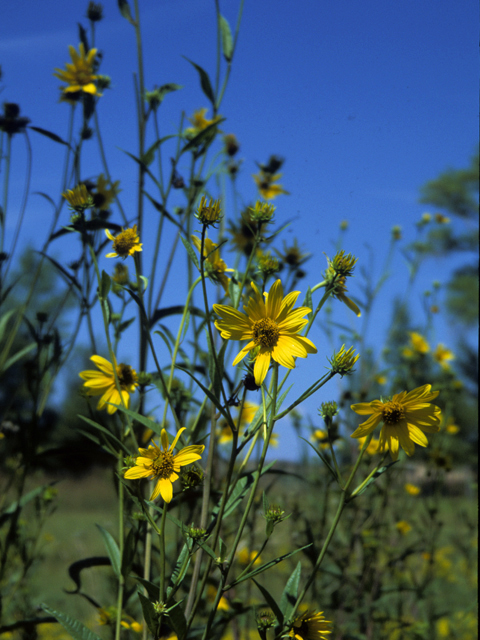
(150, 424)
(377, 474)
(203, 136)
(19, 504)
(151, 588)
(99, 427)
(17, 356)
(4, 321)
(272, 603)
(180, 571)
(289, 595)
(125, 11)
(191, 252)
(105, 285)
(204, 81)
(75, 628)
(227, 41)
(208, 549)
(49, 134)
(268, 565)
(112, 550)
(177, 618)
(167, 88)
(149, 613)
(149, 155)
(206, 391)
(323, 459)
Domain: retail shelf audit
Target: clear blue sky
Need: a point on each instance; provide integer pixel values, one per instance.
(365, 100)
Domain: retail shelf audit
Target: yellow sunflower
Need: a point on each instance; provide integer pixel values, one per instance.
(162, 465)
(215, 267)
(79, 75)
(268, 186)
(271, 327)
(125, 244)
(405, 417)
(102, 383)
(310, 626)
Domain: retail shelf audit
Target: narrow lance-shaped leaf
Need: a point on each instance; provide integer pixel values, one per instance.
(112, 550)
(289, 595)
(204, 81)
(227, 41)
(75, 628)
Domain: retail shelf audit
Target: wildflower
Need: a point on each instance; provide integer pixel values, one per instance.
(102, 383)
(426, 218)
(372, 447)
(418, 343)
(412, 489)
(344, 361)
(271, 326)
(310, 626)
(451, 427)
(343, 225)
(328, 410)
(231, 144)
(268, 265)
(441, 219)
(104, 194)
(120, 275)
(405, 417)
(244, 233)
(379, 379)
(265, 620)
(11, 122)
(208, 214)
(244, 418)
(200, 122)
(320, 437)
(162, 465)
(223, 604)
(403, 527)
(267, 185)
(442, 355)
(245, 557)
(79, 75)
(125, 244)
(262, 212)
(78, 198)
(191, 478)
(434, 308)
(336, 275)
(397, 232)
(215, 267)
(94, 11)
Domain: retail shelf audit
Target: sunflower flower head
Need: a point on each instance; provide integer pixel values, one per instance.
(271, 327)
(262, 212)
(412, 489)
(406, 418)
(78, 198)
(265, 619)
(102, 383)
(442, 355)
(79, 75)
(214, 266)
(335, 277)
(125, 244)
(267, 264)
(161, 464)
(200, 122)
(105, 193)
(310, 626)
(268, 186)
(209, 214)
(343, 361)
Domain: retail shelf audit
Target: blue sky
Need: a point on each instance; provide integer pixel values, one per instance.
(365, 100)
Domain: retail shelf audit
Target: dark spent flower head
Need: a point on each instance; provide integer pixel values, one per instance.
(94, 11)
(11, 122)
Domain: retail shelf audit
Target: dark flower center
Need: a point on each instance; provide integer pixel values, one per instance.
(393, 412)
(163, 466)
(125, 242)
(265, 333)
(126, 375)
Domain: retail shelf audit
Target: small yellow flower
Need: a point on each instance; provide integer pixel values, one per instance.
(215, 267)
(320, 438)
(441, 219)
(79, 75)
(267, 185)
(442, 355)
(245, 557)
(102, 383)
(271, 327)
(104, 194)
(372, 448)
(245, 418)
(163, 465)
(418, 342)
(125, 244)
(380, 379)
(405, 417)
(223, 604)
(412, 489)
(451, 427)
(426, 217)
(78, 198)
(310, 626)
(403, 527)
(200, 122)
